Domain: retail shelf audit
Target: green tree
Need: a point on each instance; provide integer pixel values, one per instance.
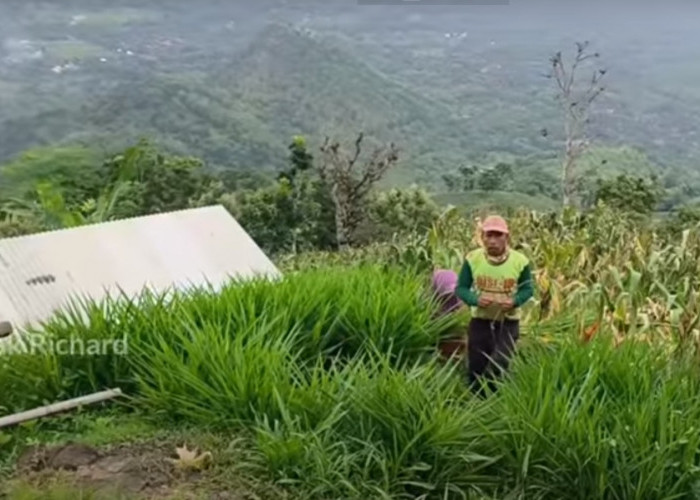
(451, 182)
(399, 211)
(71, 169)
(234, 180)
(154, 182)
(688, 215)
(629, 193)
(275, 219)
(490, 180)
(300, 159)
(469, 177)
(293, 214)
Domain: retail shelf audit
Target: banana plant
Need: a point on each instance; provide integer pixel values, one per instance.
(50, 210)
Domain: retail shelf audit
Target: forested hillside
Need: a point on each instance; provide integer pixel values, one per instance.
(454, 87)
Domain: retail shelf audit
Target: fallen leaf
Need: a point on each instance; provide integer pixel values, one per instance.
(191, 459)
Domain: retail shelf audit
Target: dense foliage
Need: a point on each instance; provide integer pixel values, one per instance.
(290, 213)
(53, 188)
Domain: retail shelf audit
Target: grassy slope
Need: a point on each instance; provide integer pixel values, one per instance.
(573, 421)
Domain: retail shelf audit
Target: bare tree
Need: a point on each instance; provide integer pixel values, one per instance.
(350, 185)
(576, 103)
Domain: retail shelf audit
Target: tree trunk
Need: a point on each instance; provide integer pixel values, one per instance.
(341, 230)
(341, 233)
(568, 181)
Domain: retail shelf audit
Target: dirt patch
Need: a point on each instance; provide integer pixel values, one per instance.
(68, 457)
(181, 466)
(145, 472)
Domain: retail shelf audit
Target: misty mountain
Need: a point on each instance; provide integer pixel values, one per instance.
(300, 82)
(231, 82)
(243, 113)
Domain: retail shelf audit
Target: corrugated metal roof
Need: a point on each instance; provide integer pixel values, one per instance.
(40, 273)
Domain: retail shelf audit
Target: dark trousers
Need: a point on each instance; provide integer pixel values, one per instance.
(490, 346)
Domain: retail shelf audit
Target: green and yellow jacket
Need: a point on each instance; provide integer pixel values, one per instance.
(509, 279)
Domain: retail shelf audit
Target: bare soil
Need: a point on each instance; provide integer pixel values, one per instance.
(138, 471)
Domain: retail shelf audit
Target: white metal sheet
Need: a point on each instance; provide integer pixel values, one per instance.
(39, 273)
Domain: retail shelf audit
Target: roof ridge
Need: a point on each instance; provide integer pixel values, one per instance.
(217, 206)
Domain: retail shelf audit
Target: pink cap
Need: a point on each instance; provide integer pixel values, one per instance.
(495, 223)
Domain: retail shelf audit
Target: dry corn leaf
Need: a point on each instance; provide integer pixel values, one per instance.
(191, 459)
(590, 332)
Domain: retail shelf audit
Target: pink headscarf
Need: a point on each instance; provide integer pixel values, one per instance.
(444, 284)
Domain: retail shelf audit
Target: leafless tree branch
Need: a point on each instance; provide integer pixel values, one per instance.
(576, 107)
(337, 171)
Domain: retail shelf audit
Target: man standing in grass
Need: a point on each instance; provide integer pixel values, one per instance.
(495, 281)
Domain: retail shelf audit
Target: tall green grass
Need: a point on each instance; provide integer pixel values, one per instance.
(601, 422)
(334, 371)
(332, 312)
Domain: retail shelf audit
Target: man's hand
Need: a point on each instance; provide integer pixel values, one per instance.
(506, 304)
(485, 302)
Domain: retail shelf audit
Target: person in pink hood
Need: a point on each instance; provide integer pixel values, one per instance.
(444, 285)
